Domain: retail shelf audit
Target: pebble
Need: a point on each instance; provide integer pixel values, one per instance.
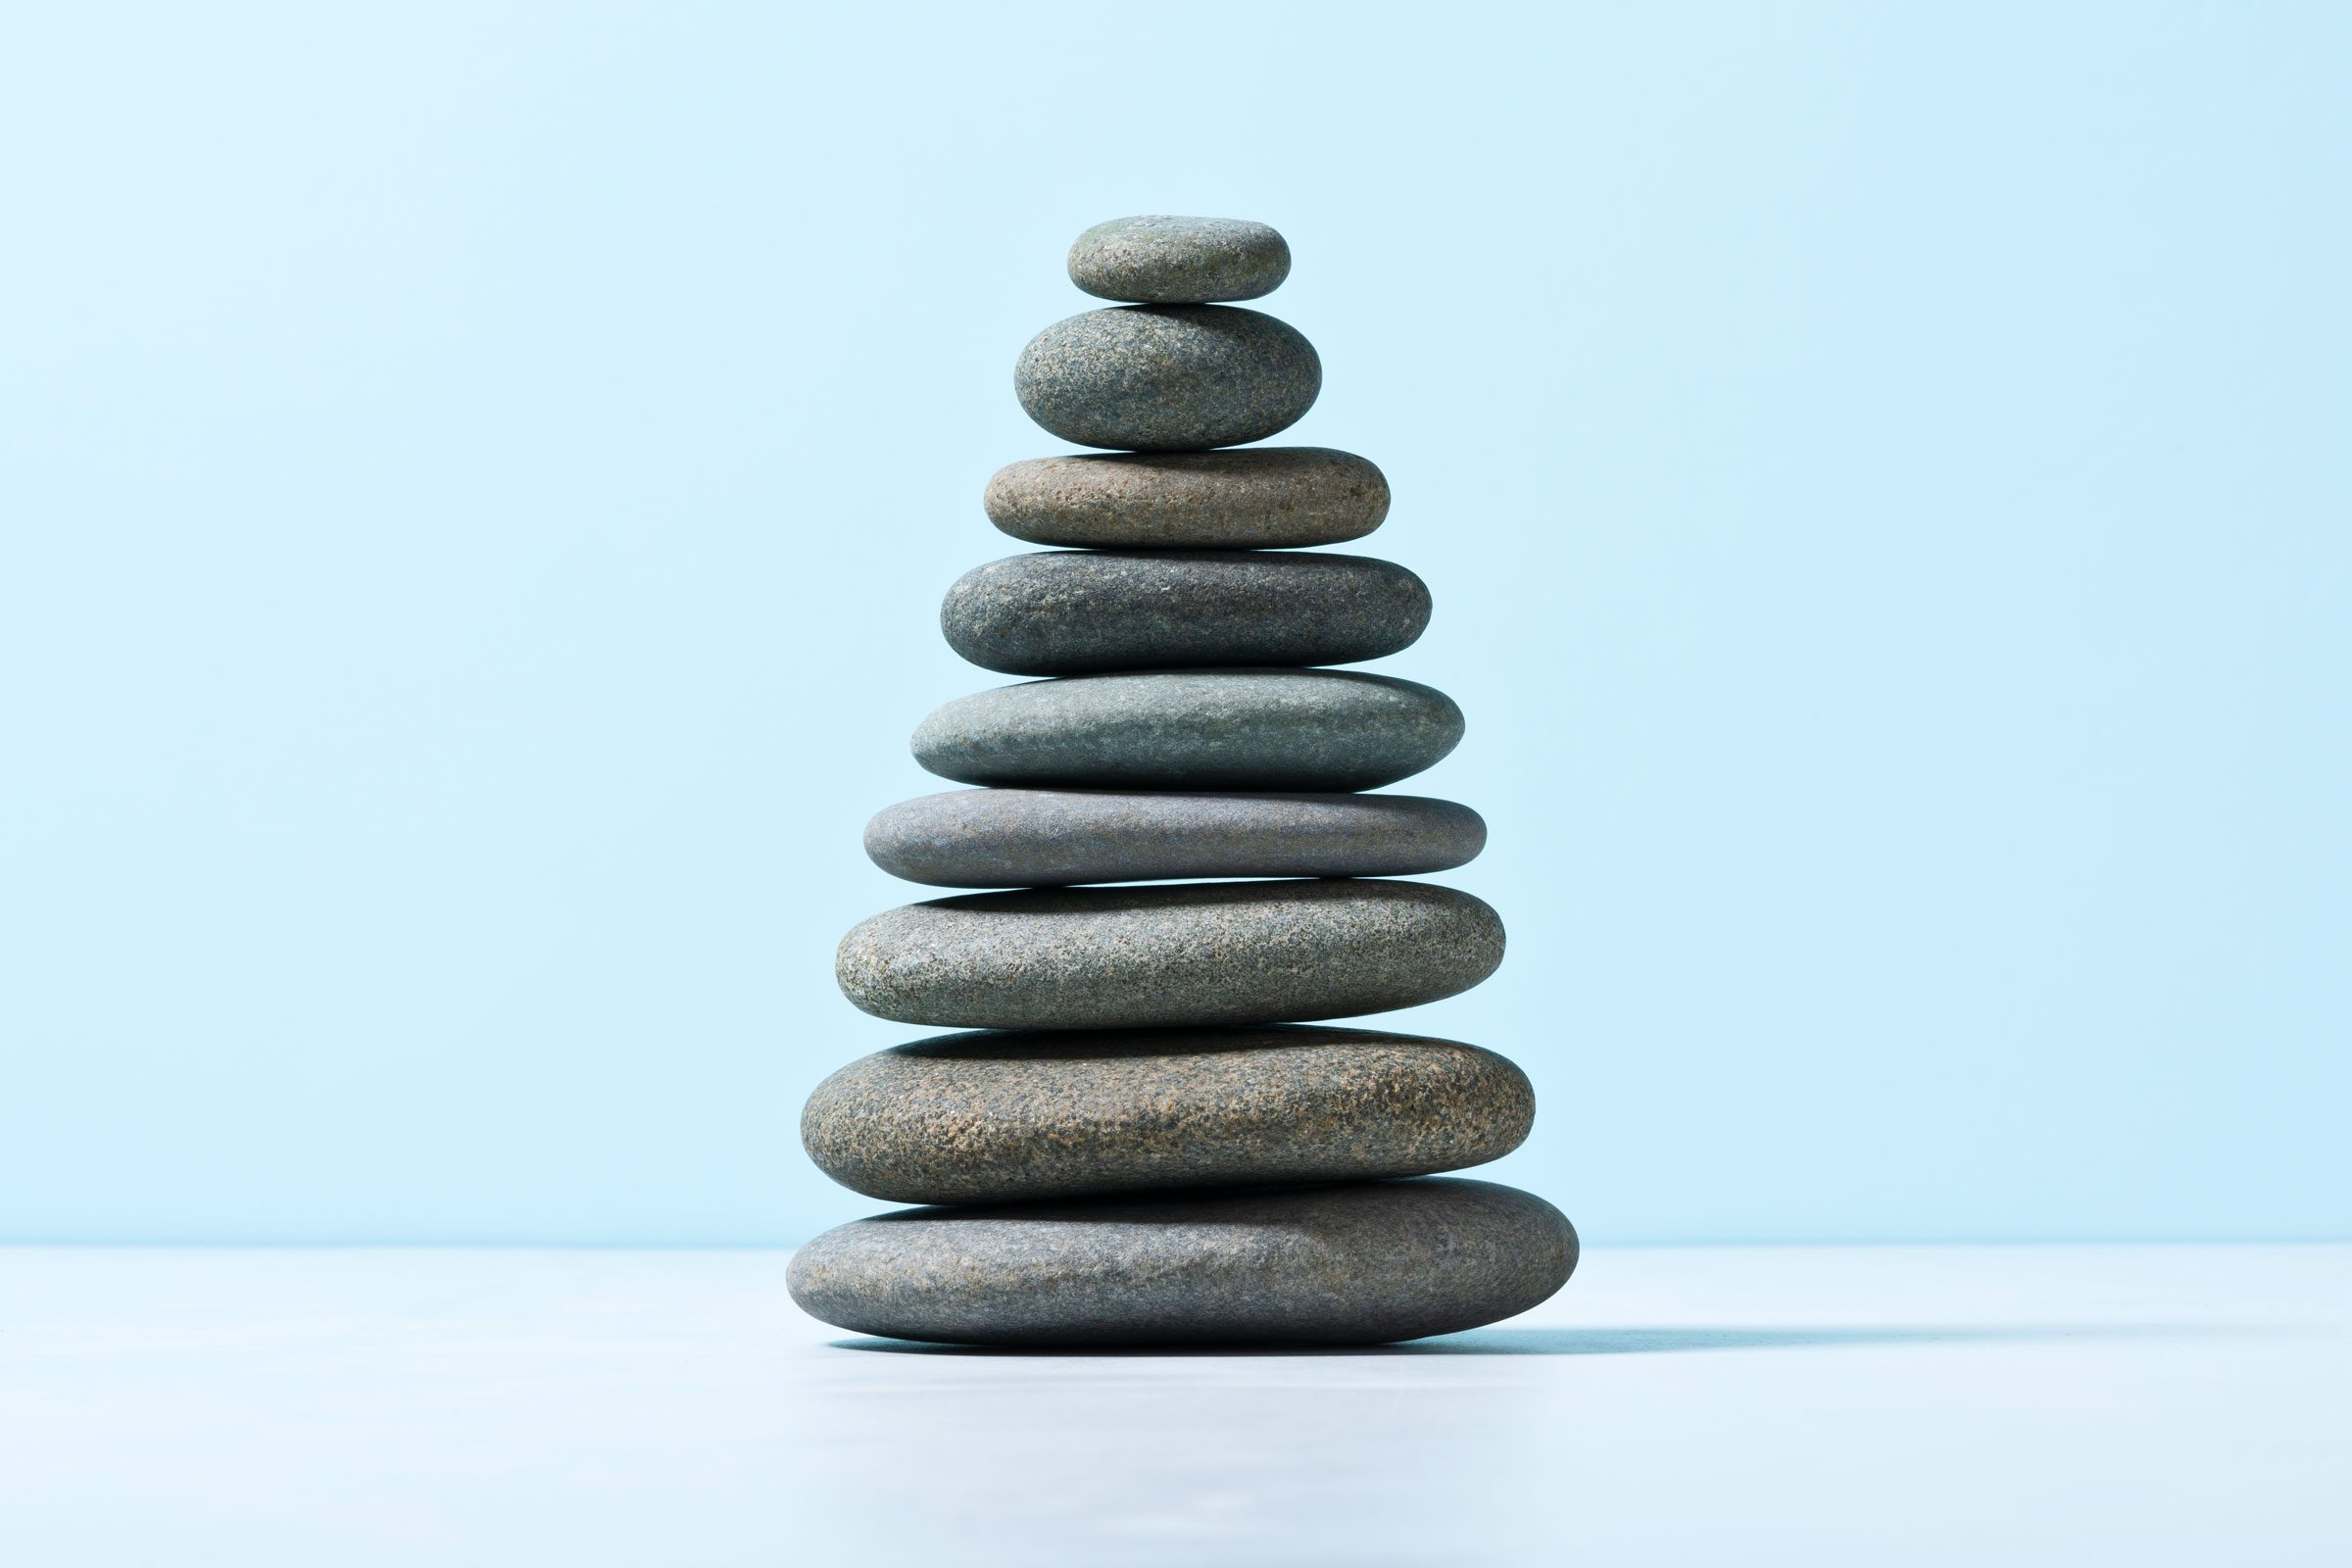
(1243, 729)
(1362, 1263)
(1179, 261)
(1079, 612)
(993, 1118)
(1195, 953)
(1167, 377)
(1262, 498)
(1016, 838)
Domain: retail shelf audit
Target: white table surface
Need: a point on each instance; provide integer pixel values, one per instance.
(1885, 1405)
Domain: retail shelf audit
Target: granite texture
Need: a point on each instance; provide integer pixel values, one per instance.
(1263, 497)
(989, 1118)
(1179, 261)
(1199, 953)
(1361, 1264)
(1081, 611)
(1167, 377)
(1242, 729)
(1015, 838)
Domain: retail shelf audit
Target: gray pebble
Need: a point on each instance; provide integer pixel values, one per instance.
(1242, 729)
(1179, 261)
(1167, 377)
(1053, 838)
(1259, 498)
(1197, 953)
(1362, 1265)
(996, 1117)
(1079, 612)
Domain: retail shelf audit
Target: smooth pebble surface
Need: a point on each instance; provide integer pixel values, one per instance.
(1178, 261)
(1263, 497)
(1167, 377)
(1076, 611)
(1243, 729)
(1203, 952)
(995, 1117)
(1013, 838)
(1361, 1264)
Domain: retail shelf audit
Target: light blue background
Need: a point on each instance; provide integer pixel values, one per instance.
(477, 482)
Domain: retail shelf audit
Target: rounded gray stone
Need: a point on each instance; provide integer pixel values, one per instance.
(1014, 838)
(1179, 261)
(1241, 729)
(995, 1117)
(1357, 1265)
(1080, 612)
(1167, 377)
(1261, 498)
(1199, 954)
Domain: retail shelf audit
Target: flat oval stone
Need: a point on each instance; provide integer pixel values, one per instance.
(1167, 377)
(1200, 953)
(1053, 838)
(1357, 1265)
(1263, 497)
(1241, 729)
(994, 1117)
(1179, 261)
(1079, 612)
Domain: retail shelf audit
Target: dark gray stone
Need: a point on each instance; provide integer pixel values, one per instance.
(1053, 838)
(1357, 1265)
(991, 1118)
(1203, 952)
(1261, 498)
(1079, 612)
(1179, 261)
(1167, 377)
(1242, 729)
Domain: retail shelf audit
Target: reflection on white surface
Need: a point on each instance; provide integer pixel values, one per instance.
(1954, 1404)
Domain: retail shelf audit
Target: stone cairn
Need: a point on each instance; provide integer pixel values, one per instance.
(1141, 1142)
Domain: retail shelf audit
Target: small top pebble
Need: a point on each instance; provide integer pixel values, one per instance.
(1179, 261)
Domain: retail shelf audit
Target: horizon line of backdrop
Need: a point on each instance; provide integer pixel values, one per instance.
(478, 483)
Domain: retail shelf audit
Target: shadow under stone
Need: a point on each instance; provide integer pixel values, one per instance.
(1509, 1340)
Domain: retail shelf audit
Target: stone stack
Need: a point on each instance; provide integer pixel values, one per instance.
(1142, 1142)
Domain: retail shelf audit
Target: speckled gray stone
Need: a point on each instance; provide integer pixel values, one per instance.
(1361, 1264)
(1079, 612)
(1179, 261)
(994, 1117)
(1053, 838)
(1241, 729)
(1167, 377)
(1203, 952)
(1261, 498)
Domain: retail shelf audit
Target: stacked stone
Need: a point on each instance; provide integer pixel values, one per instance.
(1145, 1142)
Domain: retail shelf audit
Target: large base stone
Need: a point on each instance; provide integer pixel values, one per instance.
(1352, 1265)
